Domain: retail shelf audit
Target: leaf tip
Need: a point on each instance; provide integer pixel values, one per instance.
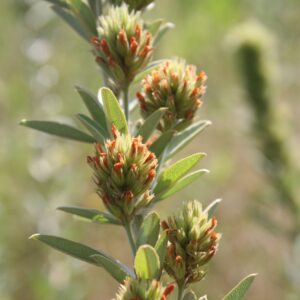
(23, 122)
(34, 236)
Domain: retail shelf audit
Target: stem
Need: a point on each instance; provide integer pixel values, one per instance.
(126, 102)
(130, 236)
(180, 291)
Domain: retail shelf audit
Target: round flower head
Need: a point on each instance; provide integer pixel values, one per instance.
(138, 289)
(192, 243)
(123, 47)
(133, 4)
(176, 86)
(124, 171)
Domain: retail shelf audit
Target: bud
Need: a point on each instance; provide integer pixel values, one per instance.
(176, 86)
(192, 243)
(133, 4)
(139, 289)
(123, 47)
(124, 172)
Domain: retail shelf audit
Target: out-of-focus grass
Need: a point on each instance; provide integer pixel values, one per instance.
(40, 61)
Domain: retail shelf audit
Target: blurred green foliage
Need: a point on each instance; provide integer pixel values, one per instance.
(41, 60)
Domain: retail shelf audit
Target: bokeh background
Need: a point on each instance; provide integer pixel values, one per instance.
(41, 60)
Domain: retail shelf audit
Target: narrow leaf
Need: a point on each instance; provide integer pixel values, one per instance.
(162, 31)
(147, 265)
(92, 215)
(60, 3)
(176, 171)
(78, 251)
(161, 143)
(117, 270)
(181, 139)
(161, 247)
(210, 209)
(190, 295)
(149, 231)
(154, 26)
(239, 291)
(113, 110)
(182, 183)
(151, 123)
(71, 20)
(92, 127)
(94, 107)
(59, 129)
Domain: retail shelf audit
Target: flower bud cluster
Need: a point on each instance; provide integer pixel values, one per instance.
(138, 289)
(176, 86)
(192, 243)
(133, 4)
(123, 47)
(124, 171)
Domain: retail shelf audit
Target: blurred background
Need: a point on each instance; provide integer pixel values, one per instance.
(41, 59)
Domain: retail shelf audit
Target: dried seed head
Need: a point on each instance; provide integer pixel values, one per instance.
(124, 171)
(176, 86)
(192, 242)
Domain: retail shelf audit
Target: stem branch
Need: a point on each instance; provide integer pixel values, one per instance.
(180, 291)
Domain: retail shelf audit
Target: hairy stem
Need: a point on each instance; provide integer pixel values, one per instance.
(126, 102)
(128, 229)
(181, 288)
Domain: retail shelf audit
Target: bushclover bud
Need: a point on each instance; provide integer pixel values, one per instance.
(192, 243)
(133, 4)
(174, 85)
(123, 47)
(124, 172)
(138, 289)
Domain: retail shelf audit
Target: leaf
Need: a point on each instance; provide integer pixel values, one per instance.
(114, 113)
(93, 215)
(211, 207)
(183, 138)
(61, 3)
(146, 264)
(92, 127)
(161, 143)
(85, 15)
(149, 230)
(190, 295)
(239, 291)
(59, 129)
(80, 251)
(162, 31)
(161, 247)
(96, 7)
(71, 20)
(154, 26)
(152, 66)
(94, 107)
(151, 123)
(176, 171)
(117, 270)
(182, 183)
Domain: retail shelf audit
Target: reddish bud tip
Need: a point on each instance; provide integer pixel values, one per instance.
(138, 31)
(213, 236)
(104, 46)
(169, 289)
(133, 45)
(178, 259)
(150, 157)
(95, 41)
(114, 131)
(164, 225)
(122, 37)
(201, 76)
(117, 167)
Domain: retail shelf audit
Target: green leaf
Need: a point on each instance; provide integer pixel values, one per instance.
(92, 127)
(59, 129)
(149, 231)
(94, 107)
(154, 26)
(92, 215)
(190, 295)
(85, 15)
(114, 113)
(239, 291)
(96, 7)
(79, 251)
(161, 247)
(183, 138)
(162, 31)
(182, 183)
(152, 66)
(151, 123)
(159, 146)
(117, 270)
(146, 264)
(212, 207)
(71, 20)
(60, 3)
(176, 171)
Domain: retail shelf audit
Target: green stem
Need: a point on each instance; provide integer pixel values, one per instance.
(126, 102)
(130, 236)
(181, 288)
